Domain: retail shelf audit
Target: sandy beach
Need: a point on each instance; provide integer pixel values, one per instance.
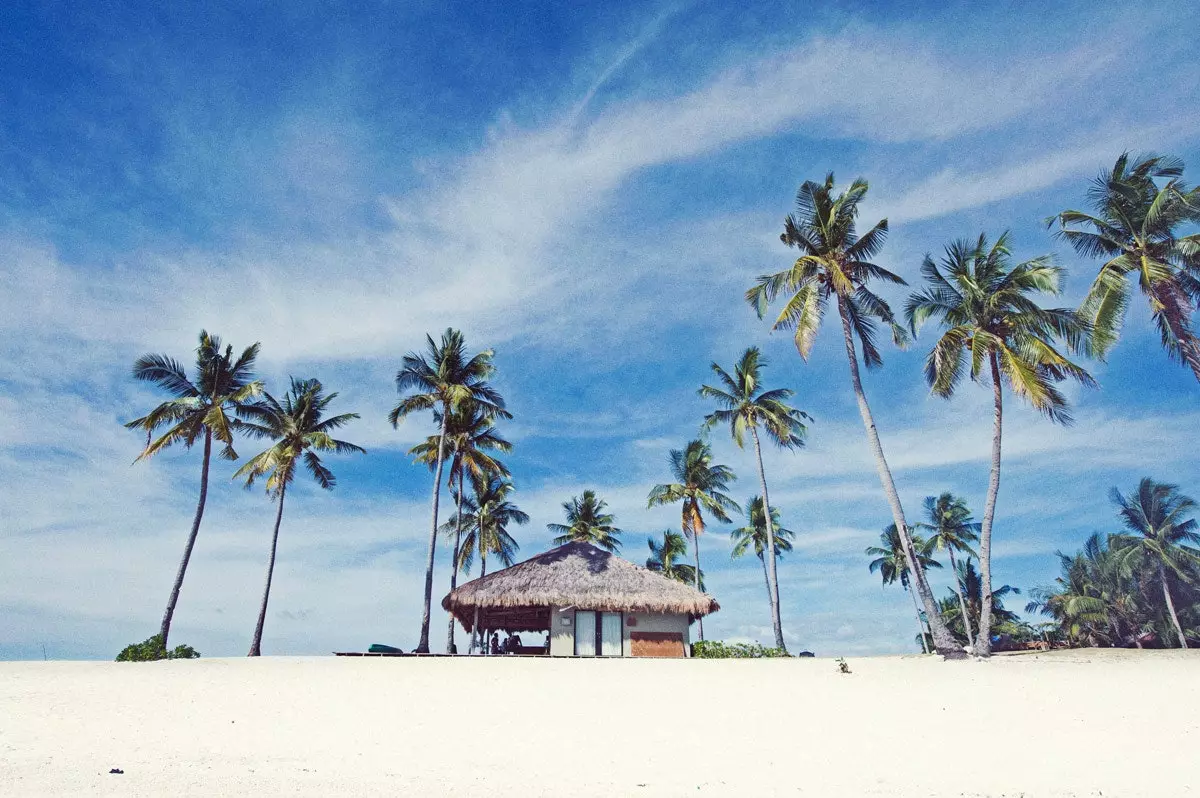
(1075, 723)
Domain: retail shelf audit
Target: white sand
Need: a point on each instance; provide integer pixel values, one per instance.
(1069, 723)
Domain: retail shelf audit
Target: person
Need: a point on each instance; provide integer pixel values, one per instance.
(547, 651)
(494, 645)
(513, 644)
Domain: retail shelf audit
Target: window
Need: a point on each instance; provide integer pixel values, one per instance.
(585, 633)
(598, 633)
(610, 634)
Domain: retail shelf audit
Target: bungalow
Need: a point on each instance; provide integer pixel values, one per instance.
(589, 602)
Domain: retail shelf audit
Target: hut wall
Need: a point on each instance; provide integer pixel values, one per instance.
(656, 622)
(562, 638)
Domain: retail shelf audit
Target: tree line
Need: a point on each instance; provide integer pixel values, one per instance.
(993, 331)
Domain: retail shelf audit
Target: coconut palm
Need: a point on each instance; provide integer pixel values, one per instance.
(893, 564)
(200, 408)
(834, 263)
(952, 529)
(971, 587)
(754, 535)
(442, 380)
(470, 435)
(987, 308)
(699, 487)
(489, 514)
(745, 405)
(665, 558)
(1139, 206)
(299, 430)
(1160, 532)
(587, 523)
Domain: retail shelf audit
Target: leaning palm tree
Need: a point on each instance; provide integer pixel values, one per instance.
(1135, 226)
(745, 405)
(834, 264)
(1155, 515)
(892, 563)
(442, 380)
(489, 514)
(198, 409)
(298, 429)
(587, 523)
(665, 558)
(754, 535)
(470, 434)
(698, 486)
(952, 529)
(987, 308)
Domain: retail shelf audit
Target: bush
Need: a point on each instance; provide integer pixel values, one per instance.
(715, 649)
(152, 649)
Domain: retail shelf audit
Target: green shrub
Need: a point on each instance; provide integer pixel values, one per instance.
(152, 649)
(716, 649)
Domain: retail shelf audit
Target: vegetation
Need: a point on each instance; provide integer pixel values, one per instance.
(698, 487)
(489, 514)
(745, 405)
(951, 529)
(587, 523)
(152, 649)
(754, 535)
(299, 430)
(894, 565)
(715, 649)
(199, 409)
(987, 309)
(834, 263)
(665, 559)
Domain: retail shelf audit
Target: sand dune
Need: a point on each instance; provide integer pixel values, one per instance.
(1064, 724)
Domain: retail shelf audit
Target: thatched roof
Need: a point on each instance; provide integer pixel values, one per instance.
(582, 576)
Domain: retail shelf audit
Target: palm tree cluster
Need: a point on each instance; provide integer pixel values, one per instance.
(1137, 587)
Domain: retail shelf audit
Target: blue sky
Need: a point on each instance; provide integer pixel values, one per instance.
(588, 191)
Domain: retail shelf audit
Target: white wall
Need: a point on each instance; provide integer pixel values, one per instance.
(562, 638)
(657, 622)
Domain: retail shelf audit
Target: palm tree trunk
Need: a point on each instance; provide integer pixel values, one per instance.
(1162, 577)
(962, 603)
(772, 575)
(423, 643)
(483, 643)
(943, 641)
(450, 649)
(696, 554)
(165, 629)
(920, 623)
(983, 641)
(766, 577)
(256, 643)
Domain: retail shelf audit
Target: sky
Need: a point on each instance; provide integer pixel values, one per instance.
(586, 188)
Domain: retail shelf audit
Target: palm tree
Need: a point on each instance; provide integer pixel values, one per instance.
(754, 534)
(443, 379)
(587, 523)
(746, 406)
(298, 430)
(952, 529)
(470, 435)
(199, 408)
(971, 587)
(699, 487)
(665, 559)
(1135, 227)
(834, 263)
(1155, 517)
(987, 309)
(892, 563)
(489, 514)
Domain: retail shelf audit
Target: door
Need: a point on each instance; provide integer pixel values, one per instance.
(610, 634)
(585, 633)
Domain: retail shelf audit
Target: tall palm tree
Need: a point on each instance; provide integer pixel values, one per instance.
(198, 409)
(834, 263)
(698, 486)
(972, 587)
(665, 558)
(987, 308)
(470, 434)
(745, 405)
(587, 523)
(952, 529)
(1135, 227)
(893, 564)
(298, 429)
(442, 380)
(489, 514)
(754, 535)
(1155, 515)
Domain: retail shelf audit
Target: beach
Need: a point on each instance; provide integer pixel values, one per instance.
(1070, 723)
